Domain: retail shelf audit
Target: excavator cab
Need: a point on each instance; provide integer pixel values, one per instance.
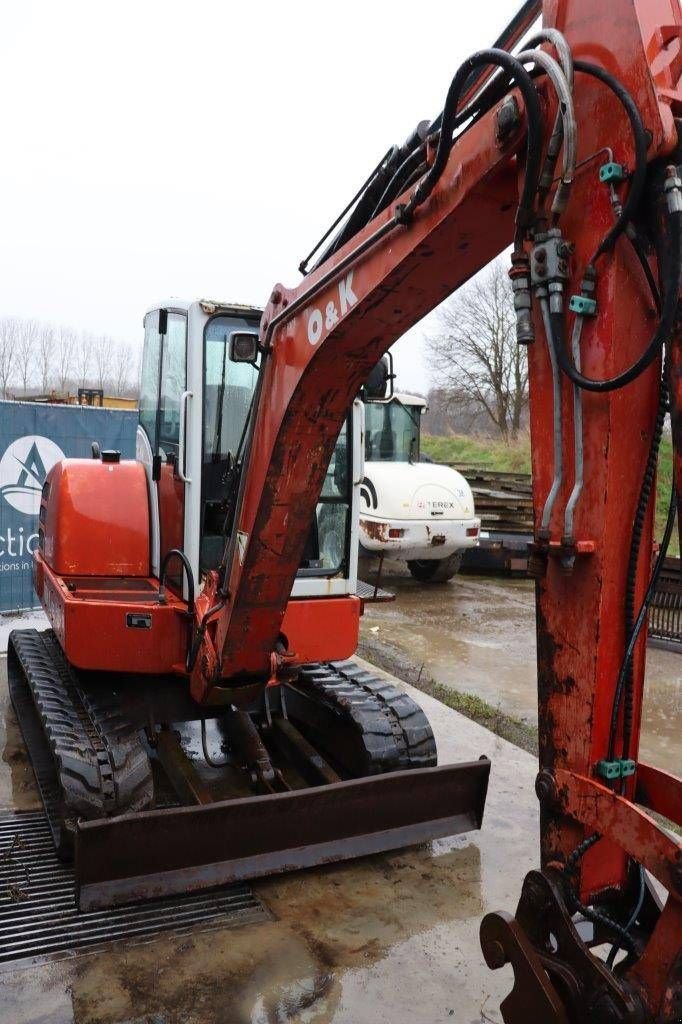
(199, 374)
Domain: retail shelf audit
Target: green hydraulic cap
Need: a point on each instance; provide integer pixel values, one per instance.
(611, 172)
(583, 305)
(620, 768)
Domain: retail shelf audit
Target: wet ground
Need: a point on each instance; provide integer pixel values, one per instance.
(393, 938)
(477, 635)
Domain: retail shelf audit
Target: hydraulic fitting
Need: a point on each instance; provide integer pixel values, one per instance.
(672, 187)
(620, 768)
(611, 171)
(582, 305)
(549, 266)
(585, 304)
(520, 279)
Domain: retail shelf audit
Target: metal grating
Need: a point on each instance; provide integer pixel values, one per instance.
(38, 914)
(665, 611)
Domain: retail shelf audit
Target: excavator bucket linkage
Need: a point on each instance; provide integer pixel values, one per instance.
(181, 849)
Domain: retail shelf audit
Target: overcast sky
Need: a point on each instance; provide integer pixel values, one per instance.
(163, 147)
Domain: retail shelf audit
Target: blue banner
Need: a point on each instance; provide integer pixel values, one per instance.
(32, 438)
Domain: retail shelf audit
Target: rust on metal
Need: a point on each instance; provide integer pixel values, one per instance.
(601, 810)
(183, 849)
(181, 773)
(375, 531)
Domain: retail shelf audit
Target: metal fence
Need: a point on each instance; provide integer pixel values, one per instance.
(32, 438)
(665, 613)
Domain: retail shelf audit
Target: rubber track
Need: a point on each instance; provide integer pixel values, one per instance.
(101, 765)
(394, 729)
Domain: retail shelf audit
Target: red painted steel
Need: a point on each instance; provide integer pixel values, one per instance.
(95, 518)
(94, 629)
(625, 824)
(171, 491)
(659, 791)
(321, 629)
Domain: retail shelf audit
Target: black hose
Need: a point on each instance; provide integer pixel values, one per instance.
(445, 143)
(632, 919)
(638, 248)
(491, 95)
(646, 489)
(661, 334)
(196, 642)
(579, 852)
(177, 553)
(592, 913)
(641, 146)
(599, 917)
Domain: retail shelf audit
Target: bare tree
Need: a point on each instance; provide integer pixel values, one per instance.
(124, 369)
(28, 332)
(9, 329)
(476, 353)
(103, 361)
(83, 357)
(65, 356)
(45, 355)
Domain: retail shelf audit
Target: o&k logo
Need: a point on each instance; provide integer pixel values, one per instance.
(23, 469)
(321, 321)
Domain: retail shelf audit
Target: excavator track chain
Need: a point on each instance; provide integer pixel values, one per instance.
(89, 761)
(390, 731)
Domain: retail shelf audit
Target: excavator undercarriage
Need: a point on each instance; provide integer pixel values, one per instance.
(328, 755)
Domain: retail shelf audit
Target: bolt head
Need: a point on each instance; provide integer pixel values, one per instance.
(545, 787)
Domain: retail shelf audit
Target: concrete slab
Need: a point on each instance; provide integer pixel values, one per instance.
(393, 938)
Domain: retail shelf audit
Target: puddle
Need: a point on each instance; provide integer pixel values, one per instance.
(478, 635)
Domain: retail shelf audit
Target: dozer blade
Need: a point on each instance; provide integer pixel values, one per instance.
(174, 850)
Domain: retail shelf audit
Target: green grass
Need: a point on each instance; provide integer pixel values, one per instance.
(496, 455)
(515, 458)
(510, 728)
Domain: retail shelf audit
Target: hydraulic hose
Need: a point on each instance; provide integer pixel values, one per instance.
(661, 334)
(632, 919)
(480, 105)
(177, 553)
(638, 248)
(558, 41)
(565, 127)
(524, 82)
(641, 146)
(646, 489)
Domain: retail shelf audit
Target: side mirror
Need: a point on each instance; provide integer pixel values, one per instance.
(244, 347)
(379, 385)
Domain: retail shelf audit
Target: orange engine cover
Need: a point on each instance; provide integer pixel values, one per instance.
(94, 518)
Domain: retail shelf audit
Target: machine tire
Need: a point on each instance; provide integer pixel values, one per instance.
(434, 570)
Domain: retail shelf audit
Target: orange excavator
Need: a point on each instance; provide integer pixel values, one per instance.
(212, 581)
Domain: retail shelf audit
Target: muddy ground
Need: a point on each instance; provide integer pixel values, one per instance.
(391, 939)
(476, 635)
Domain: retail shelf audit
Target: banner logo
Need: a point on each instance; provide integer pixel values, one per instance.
(23, 469)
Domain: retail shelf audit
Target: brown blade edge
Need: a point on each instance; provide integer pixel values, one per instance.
(184, 849)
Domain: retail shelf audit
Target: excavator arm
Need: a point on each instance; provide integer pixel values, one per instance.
(596, 279)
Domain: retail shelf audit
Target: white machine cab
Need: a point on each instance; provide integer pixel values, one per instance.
(411, 509)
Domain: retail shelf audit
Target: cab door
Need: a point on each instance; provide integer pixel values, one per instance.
(161, 435)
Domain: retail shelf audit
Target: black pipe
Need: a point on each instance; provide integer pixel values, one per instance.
(661, 335)
(524, 82)
(177, 553)
(641, 146)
